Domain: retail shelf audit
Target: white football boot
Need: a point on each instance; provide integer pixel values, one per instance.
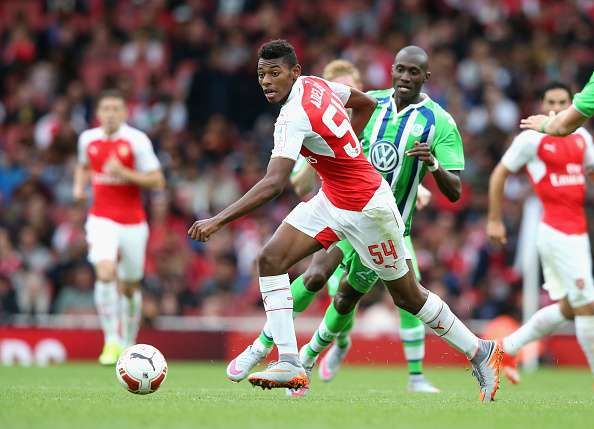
(330, 363)
(417, 383)
(486, 366)
(280, 374)
(239, 368)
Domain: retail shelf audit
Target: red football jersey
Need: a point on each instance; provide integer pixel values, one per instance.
(314, 122)
(556, 168)
(113, 198)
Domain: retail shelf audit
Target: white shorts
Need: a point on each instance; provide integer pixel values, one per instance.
(566, 265)
(113, 241)
(376, 232)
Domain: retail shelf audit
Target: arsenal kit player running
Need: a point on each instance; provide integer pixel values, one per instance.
(556, 167)
(119, 161)
(355, 203)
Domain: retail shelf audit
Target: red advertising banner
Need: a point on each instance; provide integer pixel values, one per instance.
(41, 346)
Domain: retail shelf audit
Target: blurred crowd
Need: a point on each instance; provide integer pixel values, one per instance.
(187, 68)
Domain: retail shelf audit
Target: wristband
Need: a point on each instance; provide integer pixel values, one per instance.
(433, 168)
(544, 126)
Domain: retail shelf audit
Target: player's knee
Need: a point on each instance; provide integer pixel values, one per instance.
(344, 303)
(410, 296)
(105, 271)
(270, 263)
(128, 287)
(314, 279)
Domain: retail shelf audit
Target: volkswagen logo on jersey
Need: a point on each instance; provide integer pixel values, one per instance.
(383, 156)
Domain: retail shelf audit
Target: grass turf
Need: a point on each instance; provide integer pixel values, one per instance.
(199, 396)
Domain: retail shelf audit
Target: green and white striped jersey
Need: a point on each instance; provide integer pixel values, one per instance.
(389, 134)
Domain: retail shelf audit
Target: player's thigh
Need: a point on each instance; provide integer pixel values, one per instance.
(413, 255)
(132, 245)
(287, 246)
(102, 241)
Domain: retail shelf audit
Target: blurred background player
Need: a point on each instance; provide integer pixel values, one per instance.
(329, 269)
(119, 161)
(556, 167)
(568, 120)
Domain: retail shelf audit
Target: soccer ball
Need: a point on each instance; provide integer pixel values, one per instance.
(141, 369)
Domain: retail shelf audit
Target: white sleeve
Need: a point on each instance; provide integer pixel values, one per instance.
(289, 132)
(146, 160)
(82, 149)
(521, 151)
(589, 150)
(342, 91)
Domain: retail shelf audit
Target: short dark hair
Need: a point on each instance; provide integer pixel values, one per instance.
(278, 49)
(555, 85)
(111, 93)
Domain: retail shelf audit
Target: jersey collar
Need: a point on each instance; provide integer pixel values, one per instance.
(424, 101)
(115, 135)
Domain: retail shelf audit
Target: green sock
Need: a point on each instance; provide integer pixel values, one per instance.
(412, 334)
(333, 324)
(301, 296)
(301, 300)
(343, 340)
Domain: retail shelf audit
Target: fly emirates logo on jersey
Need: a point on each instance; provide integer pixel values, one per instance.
(574, 177)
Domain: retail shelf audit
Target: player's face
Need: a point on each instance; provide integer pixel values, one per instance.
(111, 113)
(556, 100)
(276, 79)
(349, 80)
(408, 77)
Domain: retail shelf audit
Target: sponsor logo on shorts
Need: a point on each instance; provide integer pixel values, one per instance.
(580, 283)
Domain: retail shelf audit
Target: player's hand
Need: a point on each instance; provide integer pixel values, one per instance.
(423, 197)
(536, 122)
(114, 167)
(496, 232)
(79, 194)
(201, 230)
(423, 152)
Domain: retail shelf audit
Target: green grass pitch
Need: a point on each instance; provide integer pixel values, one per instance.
(77, 396)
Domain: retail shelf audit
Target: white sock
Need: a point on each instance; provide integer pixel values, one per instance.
(130, 313)
(541, 324)
(584, 329)
(436, 314)
(106, 301)
(278, 303)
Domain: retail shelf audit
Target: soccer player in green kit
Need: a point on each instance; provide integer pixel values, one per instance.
(568, 120)
(407, 134)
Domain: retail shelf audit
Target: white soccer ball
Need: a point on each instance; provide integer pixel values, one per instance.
(141, 369)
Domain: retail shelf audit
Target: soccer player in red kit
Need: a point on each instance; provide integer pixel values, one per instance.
(119, 161)
(557, 167)
(355, 203)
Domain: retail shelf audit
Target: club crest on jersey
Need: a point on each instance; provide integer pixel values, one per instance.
(417, 130)
(383, 156)
(124, 151)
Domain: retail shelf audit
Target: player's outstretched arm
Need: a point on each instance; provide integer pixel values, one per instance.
(363, 106)
(495, 227)
(269, 187)
(562, 124)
